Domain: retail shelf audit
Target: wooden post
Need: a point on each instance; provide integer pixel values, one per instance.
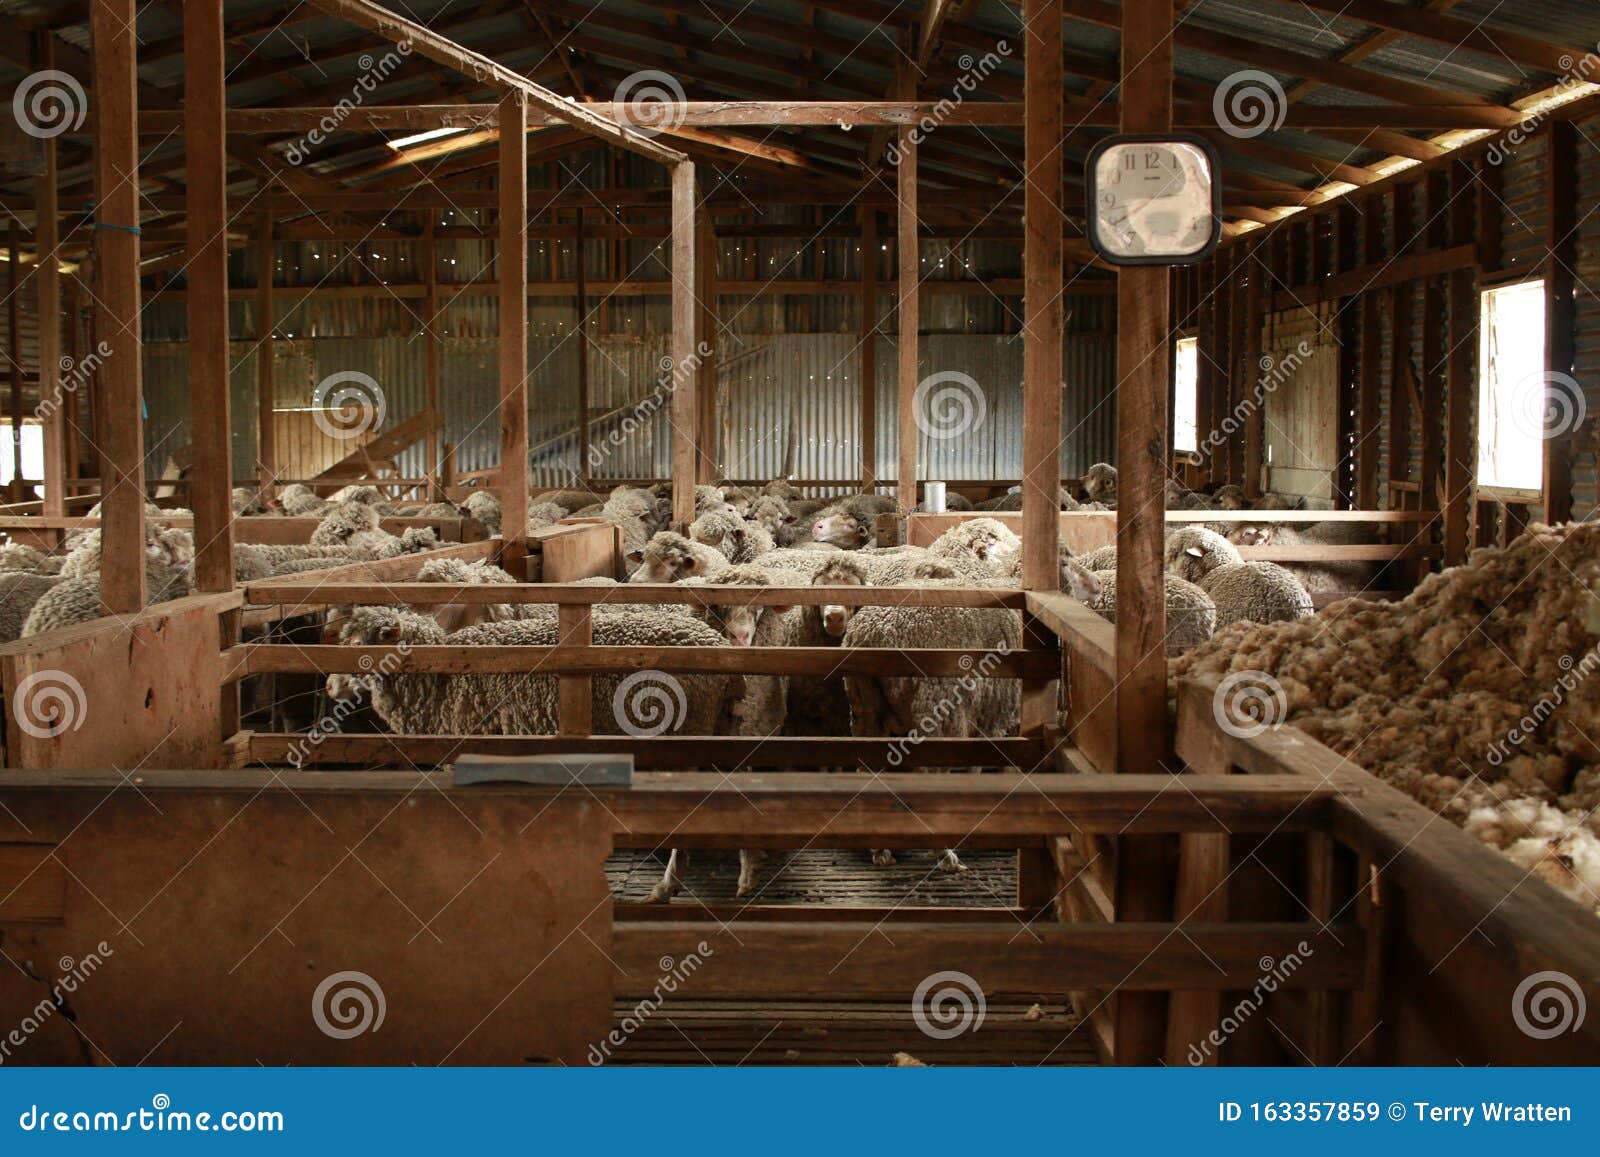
(1144, 889)
(14, 350)
(585, 467)
(52, 398)
(575, 693)
(72, 409)
(1461, 396)
(1369, 402)
(706, 371)
(1560, 309)
(685, 313)
(1400, 343)
(1255, 416)
(513, 261)
(266, 400)
(907, 250)
(205, 176)
(868, 217)
(430, 335)
(118, 419)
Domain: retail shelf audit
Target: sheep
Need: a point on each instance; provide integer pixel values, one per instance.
(1012, 501)
(848, 522)
(171, 546)
(710, 498)
(637, 513)
(355, 525)
(1191, 615)
(19, 591)
(738, 540)
(772, 513)
(455, 616)
(430, 510)
(298, 499)
(77, 600)
(740, 498)
(1192, 552)
(669, 556)
(415, 539)
(1229, 497)
(1322, 576)
(357, 492)
(568, 500)
(1099, 483)
(484, 506)
(16, 556)
(979, 545)
(1272, 500)
(592, 511)
(817, 704)
(540, 515)
(1101, 558)
(778, 488)
(1256, 592)
(248, 501)
(956, 503)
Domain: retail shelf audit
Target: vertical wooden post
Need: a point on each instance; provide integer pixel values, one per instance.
(1400, 341)
(14, 351)
(119, 421)
(1369, 402)
(685, 312)
(430, 335)
(1255, 416)
(907, 253)
(575, 693)
(868, 345)
(72, 408)
(1434, 348)
(52, 398)
(1143, 363)
(513, 261)
(1560, 307)
(706, 371)
(266, 390)
(205, 175)
(1460, 449)
(585, 467)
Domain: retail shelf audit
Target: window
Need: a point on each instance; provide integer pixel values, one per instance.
(1185, 408)
(1512, 385)
(32, 452)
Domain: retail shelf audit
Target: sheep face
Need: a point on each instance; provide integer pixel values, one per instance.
(836, 616)
(667, 558)
(841, 530)
(1251, 535)
(1078, 581)
(738, 624)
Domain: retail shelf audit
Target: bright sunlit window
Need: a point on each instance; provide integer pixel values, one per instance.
(32, 452)
(1513, 409)
(1185, 409)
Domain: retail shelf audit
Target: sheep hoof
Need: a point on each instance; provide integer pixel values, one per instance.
(950, 862)
(662, 893)
(882, 857)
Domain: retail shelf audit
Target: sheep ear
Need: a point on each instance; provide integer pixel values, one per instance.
(1195, 552)
(635, 556)
(389, 633)
(690, 562)
(788, 518)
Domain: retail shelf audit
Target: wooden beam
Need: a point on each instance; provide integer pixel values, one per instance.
(429, 256)
(581, 286)
(14, 350)
(1504, 43)
(907, 312)
(205, 174)
(1043, 322)
(685, 313)
(707, 467)
(1560, 314)
(52, 398)
(1369, 398)
(1143, 885)
(119, 421)
(868, 346)
(1461, 390)
(513, 274)
(483, 69)
(266, 410)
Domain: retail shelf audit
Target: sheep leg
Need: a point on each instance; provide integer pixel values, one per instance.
(750, 862)
(950, 862)
(671, 882)
(882, 857)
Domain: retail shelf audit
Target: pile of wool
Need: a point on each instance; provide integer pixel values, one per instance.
(1477, 690)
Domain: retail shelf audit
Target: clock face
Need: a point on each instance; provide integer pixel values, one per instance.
(1151, 201)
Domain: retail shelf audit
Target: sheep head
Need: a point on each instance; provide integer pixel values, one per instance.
(842, 530)
(838, 572)
(1250, 534)
(738, 623)
(380, 627)
(667, 558)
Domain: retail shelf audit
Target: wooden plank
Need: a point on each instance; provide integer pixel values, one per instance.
(1079, 530)
(575, 628)
(1435, 335)
(429, 258)
(512, 260)
(868, 348)
(266, 390)
(584, 658)
(708, 467)
(33, 883)
(587, 552)
(1255, 421)
(908, 318)
(440, 594)
(206, 185)
(52, 398)
(685, 352)
(1369, 401)
(822, 959)
(1560, 309)
(1437, 262)
(1461, 383)
(1144, 884)
(119, 420)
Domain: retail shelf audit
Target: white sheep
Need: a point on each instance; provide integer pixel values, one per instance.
(1191, 615)
(1256, 592)
(669, 556)
(19, 591)
(738, 541)
(1192, 552)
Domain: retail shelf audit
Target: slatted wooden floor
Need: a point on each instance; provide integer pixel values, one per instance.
(828, 877)
(840, 1033)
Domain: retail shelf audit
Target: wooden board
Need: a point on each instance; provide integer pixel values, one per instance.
(1081, 530)
(219, 915)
